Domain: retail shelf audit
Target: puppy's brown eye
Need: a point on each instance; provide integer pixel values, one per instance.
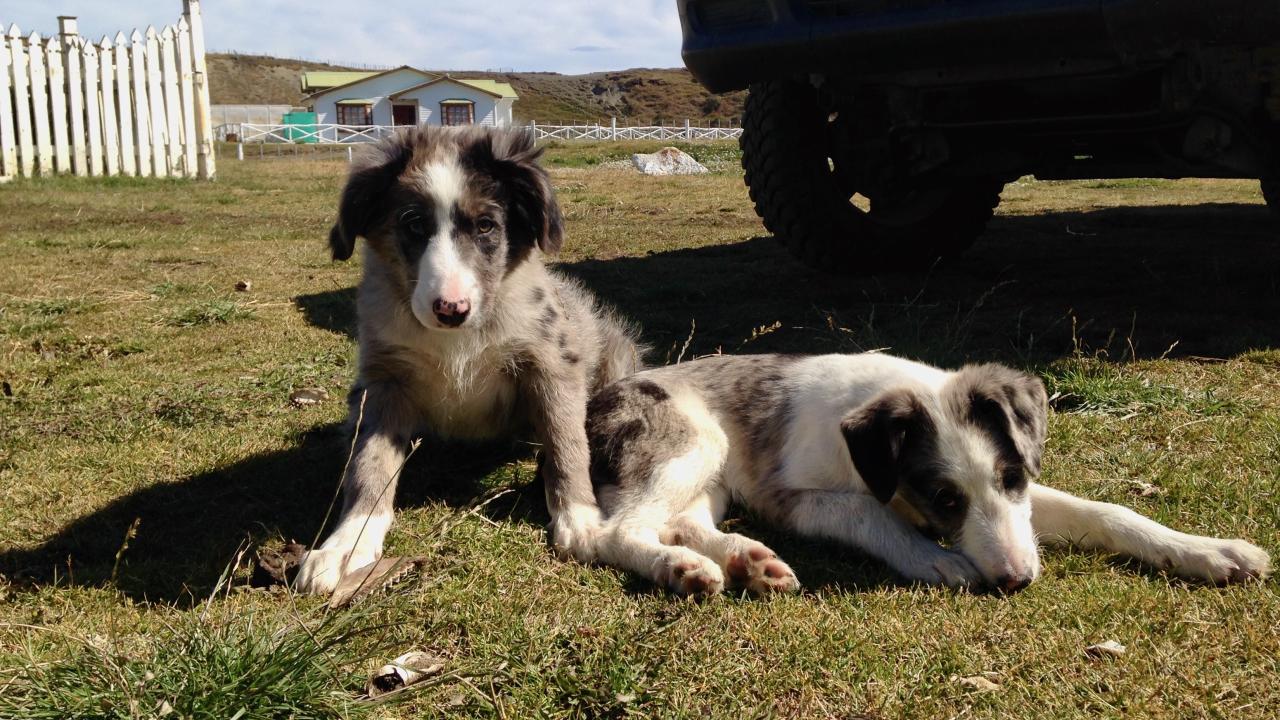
(484, 225)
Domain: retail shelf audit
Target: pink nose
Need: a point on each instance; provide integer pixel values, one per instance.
(1012, 583)
(451, 313)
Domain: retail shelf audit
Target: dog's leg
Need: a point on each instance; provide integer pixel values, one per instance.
(745, 562)
(633, 543)
(865, 523)
(558, 399)
(368, 492)
(1058, 517)
(644, 503)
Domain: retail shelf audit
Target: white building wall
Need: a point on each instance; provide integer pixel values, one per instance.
(376, 88)
(429, 99)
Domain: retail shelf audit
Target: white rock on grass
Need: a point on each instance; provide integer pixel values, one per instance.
(667, 161)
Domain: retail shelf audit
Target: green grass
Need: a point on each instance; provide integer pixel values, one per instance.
(193, 666)
(208, 313)
(136, 389)
(1083, 385)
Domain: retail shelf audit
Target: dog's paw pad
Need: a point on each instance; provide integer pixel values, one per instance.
(759, 570)
(691, 577)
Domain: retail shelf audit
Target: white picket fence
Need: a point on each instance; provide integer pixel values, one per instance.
(633, 132)
(136, 105)
(348, 134)
(310, 133)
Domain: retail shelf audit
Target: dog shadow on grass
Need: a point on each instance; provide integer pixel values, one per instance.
(1199, 280)
(190, 531)
(1143, 282)
(1127, 282)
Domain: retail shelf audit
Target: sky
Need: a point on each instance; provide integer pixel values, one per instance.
(568, 36)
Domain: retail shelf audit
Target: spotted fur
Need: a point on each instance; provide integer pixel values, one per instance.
(464, 333)
(882, 453)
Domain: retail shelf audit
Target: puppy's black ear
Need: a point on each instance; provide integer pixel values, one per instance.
(877, 434)
(533, 214)
(1012, 406)
(363, 198)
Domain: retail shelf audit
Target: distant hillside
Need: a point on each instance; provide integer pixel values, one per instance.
(638, 96)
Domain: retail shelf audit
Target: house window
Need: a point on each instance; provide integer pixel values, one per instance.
(457, 112)
(355, 114)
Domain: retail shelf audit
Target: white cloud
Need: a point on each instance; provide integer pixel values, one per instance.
(569, 36)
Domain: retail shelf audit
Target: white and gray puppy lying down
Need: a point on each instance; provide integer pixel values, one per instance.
(464, 334)
(868, 450)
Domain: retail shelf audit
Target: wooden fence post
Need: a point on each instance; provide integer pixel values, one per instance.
(91, 110)
(75, 106)
(204, 125)
(169, 70)
(58, 104)
(18, 59)
(8, 131)
(141, 113)
(110, 120)
(189, 139)
(128, 160)
(40, 104)
(155, 98)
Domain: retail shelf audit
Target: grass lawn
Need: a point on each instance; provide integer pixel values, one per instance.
(148, 445)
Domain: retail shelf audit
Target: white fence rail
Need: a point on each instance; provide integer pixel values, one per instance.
(629, 132)
(310, 133)
(136, 105)
(326, 134)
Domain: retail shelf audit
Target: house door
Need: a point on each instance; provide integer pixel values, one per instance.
(404, 114)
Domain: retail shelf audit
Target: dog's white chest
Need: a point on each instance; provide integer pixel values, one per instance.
(473, 400)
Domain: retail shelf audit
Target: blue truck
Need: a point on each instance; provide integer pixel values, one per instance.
(879, 134)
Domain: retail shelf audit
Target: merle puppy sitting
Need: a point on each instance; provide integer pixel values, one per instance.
(464, 333)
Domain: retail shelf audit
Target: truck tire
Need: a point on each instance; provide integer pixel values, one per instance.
(797, 194)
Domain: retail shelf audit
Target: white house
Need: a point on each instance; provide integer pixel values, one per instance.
(408, 96)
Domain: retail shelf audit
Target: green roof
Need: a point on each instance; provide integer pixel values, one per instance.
(315, 82)
(490, 86)
(320, 79)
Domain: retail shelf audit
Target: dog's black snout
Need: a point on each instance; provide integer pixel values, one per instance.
(451, 313)
(1011, 583)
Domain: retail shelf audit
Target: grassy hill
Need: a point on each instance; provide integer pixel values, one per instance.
(638, 96)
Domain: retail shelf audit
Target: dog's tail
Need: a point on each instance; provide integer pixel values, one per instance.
(621, 354)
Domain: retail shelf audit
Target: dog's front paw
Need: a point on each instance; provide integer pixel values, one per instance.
(1223, 561)
(944, 567)
(690, 574)
(575, 532)
(758, 569)
(322, 569)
